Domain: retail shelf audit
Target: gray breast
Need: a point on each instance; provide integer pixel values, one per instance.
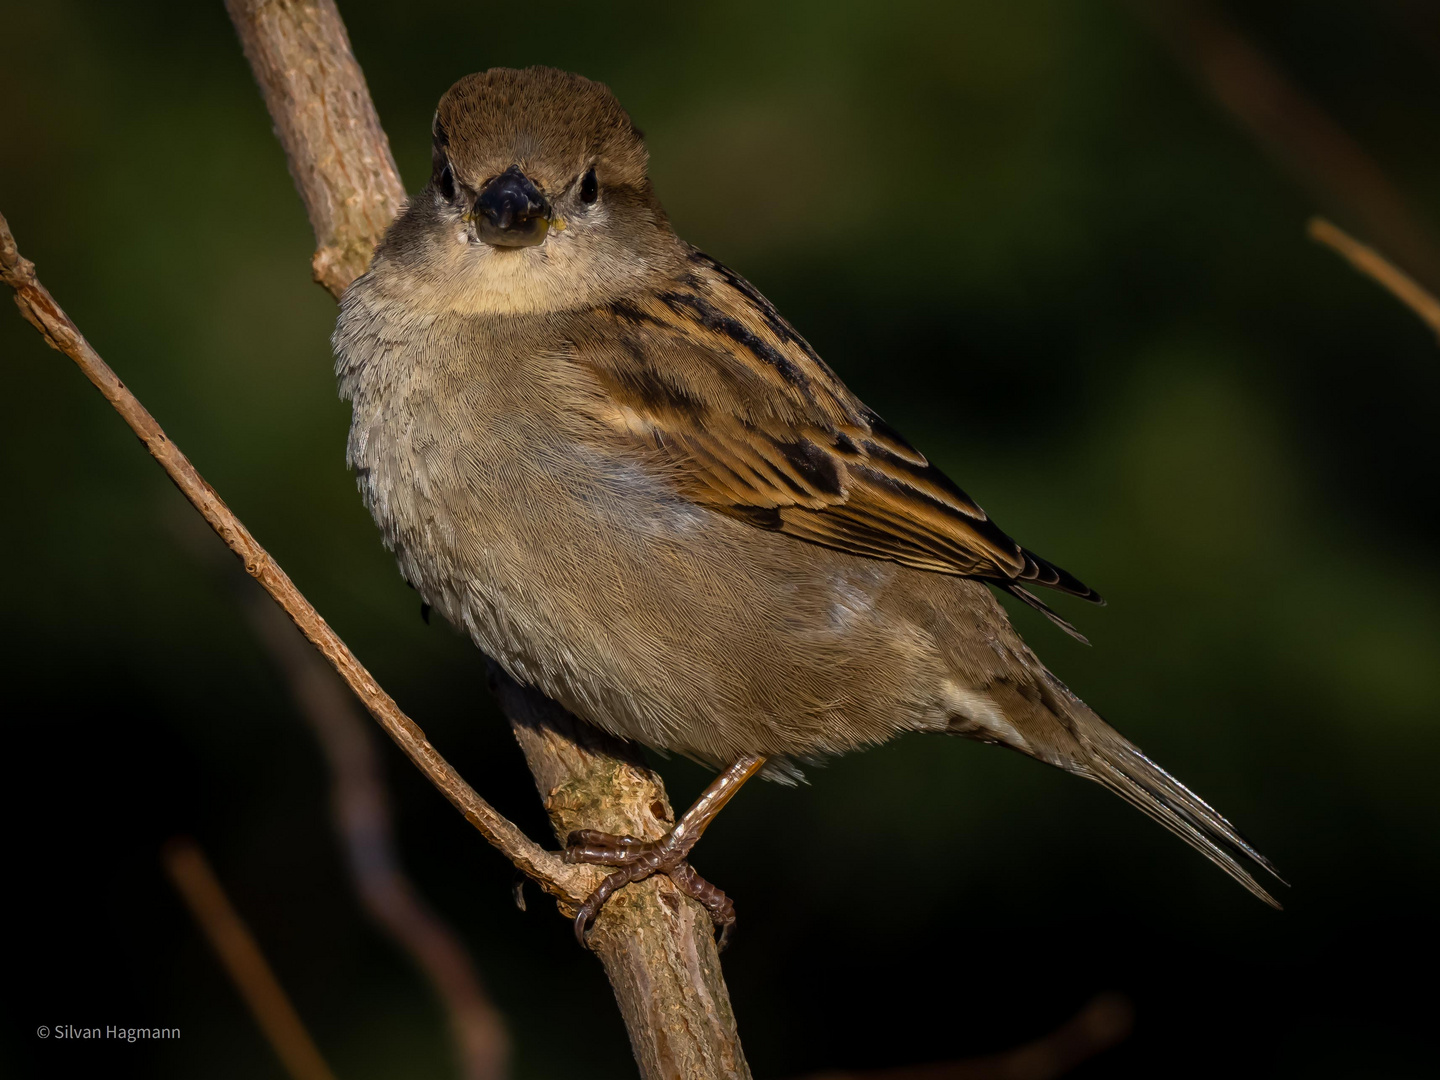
(576, 565)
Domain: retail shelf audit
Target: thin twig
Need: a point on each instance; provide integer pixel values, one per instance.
(40, 309)
(1379, 269)
(1294, 131)
(363, 819)
(242, 960)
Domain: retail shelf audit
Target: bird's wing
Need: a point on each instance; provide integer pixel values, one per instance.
(755, 425)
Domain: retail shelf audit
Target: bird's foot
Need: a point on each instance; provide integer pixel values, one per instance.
(636, 860)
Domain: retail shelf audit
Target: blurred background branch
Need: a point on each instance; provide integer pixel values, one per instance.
(1103, 1023)
(363, 820)
(1379, 269)
(1298, 135)
(362, 815)
(239, 954)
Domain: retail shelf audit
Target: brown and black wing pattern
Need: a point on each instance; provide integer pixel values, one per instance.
(756, 426)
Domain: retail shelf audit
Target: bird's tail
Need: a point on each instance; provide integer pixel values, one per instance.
(1120, 766)
(1064, 731)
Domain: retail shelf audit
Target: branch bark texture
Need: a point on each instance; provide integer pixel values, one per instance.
(325, 120)
(656, 944)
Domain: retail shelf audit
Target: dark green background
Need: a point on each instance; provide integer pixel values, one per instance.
(1024, 236)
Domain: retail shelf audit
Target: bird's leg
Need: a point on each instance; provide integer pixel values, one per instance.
(638, 859)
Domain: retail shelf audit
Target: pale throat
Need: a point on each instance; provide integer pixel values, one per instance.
(557, 275)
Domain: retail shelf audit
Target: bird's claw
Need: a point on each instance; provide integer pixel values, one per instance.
(636, 860)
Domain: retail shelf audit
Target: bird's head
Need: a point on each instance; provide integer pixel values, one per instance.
(538, 199)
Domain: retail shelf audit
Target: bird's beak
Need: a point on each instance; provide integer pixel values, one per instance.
(511, 212)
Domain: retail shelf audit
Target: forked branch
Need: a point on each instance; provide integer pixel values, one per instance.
(654, 942)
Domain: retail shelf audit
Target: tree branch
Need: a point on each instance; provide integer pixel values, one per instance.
(656, 944)
(325, 120)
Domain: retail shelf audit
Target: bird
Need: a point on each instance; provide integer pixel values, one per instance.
(608, 459)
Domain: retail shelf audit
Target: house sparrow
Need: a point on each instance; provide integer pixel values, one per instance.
(611, 461)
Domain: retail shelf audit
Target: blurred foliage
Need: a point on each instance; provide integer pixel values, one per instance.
(1021, 233)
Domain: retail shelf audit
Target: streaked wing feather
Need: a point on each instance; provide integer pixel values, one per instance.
(753, 424)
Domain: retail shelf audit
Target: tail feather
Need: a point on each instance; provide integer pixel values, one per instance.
(1120, 765)
(1189, 818)
(1027, 597)
(1195, 809)
(1061, 729)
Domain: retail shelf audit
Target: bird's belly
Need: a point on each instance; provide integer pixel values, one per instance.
(642, 613)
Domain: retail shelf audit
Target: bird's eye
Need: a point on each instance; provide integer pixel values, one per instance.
(446, 181)
(589, 187)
